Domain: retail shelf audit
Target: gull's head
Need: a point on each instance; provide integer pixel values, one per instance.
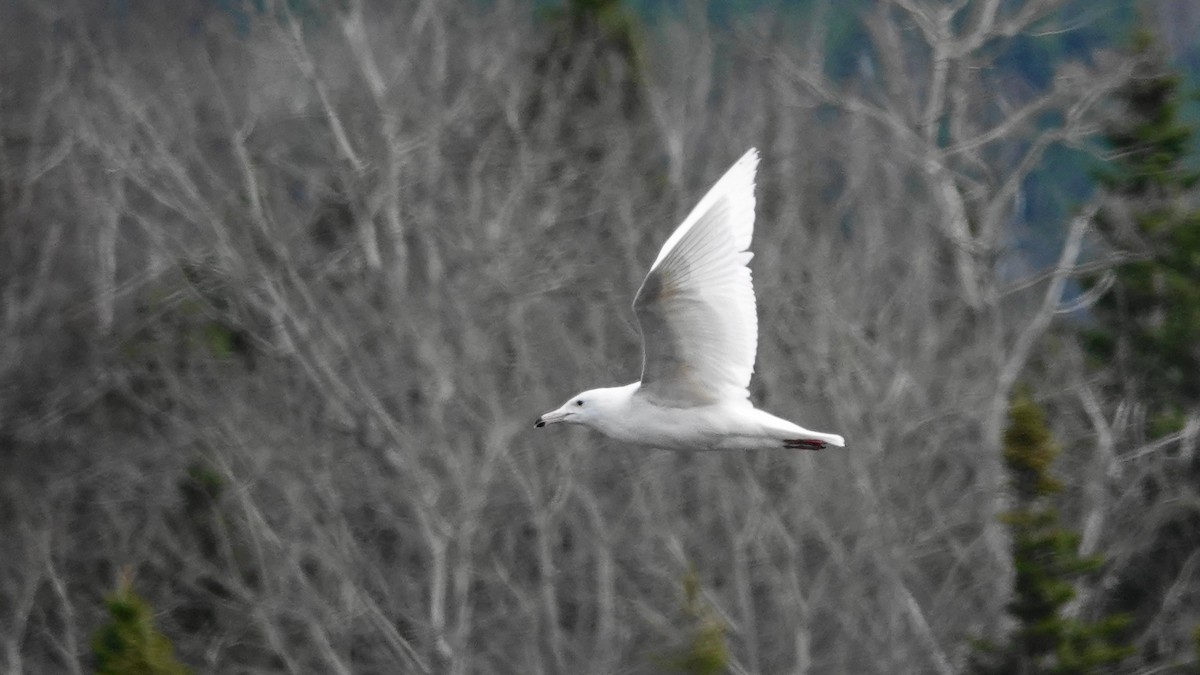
(591, 408)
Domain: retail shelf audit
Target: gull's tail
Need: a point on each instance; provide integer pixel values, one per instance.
(791, 435)
(814, 440)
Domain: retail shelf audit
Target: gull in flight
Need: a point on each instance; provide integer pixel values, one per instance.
(699, 337)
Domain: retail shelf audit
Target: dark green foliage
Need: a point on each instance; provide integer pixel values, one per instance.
(204, 519)
(190, 321)
(201, 487)
(200, 490)
(129, 644)
(615, 21)
(1029, 451)
(615, 66)
(1148, 326)
(1047, 563)
(612, 17)
(704, 651)
(1196, 640)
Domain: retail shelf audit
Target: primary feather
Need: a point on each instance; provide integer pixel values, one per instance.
(696, 307)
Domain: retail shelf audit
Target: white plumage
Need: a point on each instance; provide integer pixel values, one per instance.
(696, 307)
(699, 325)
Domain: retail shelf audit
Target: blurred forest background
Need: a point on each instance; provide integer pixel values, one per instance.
(284, 285)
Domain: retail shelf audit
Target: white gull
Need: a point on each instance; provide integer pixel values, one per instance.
(699, 337)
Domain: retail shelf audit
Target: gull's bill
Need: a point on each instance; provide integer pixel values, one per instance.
(552, 417)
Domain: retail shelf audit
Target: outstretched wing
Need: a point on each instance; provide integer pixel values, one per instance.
(696, 307)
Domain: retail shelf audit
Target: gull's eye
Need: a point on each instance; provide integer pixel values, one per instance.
(579, 402)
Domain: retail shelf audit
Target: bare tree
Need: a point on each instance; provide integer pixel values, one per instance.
(289, 299)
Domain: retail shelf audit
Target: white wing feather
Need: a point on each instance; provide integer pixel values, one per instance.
(696, 307)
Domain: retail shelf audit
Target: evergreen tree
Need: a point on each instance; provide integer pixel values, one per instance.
(602, 38)
(1196, 640)
(129, 644)
(1148, 325)
(703, 651)
(1047, 563)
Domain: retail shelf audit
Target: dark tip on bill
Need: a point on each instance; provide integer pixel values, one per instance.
(539, 424)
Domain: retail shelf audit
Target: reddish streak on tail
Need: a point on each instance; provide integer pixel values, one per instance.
(804, 444)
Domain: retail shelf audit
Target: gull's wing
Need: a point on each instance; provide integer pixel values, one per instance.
(696, 306)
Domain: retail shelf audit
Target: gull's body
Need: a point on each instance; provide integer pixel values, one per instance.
(697, 315)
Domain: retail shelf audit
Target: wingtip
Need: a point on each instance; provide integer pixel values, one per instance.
(751, 158)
